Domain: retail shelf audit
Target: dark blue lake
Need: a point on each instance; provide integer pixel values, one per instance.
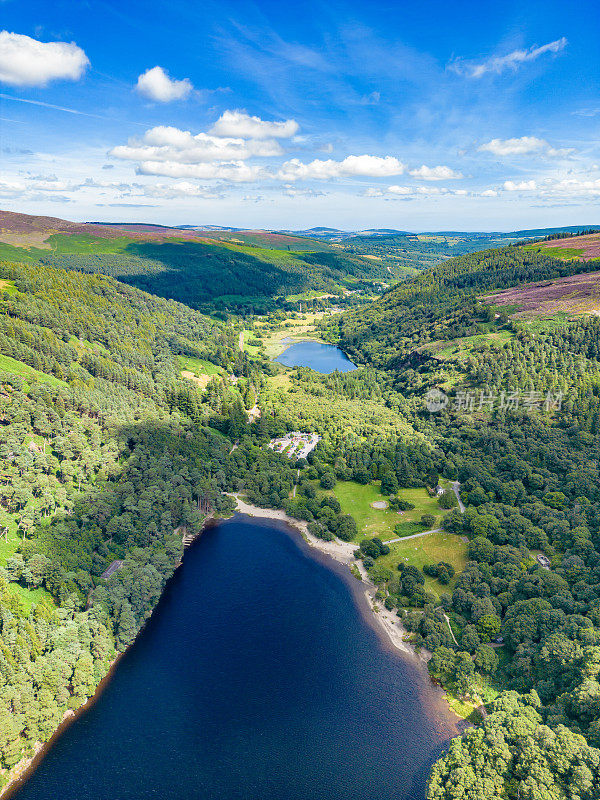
(257, 678)
(321, 357)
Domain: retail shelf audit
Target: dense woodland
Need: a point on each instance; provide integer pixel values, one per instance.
(109, 455)
(529, 478)
(222, 276)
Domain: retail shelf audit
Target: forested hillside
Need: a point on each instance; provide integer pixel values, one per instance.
(443, 303)
(519, 432)
(108, 458)
(249, 271)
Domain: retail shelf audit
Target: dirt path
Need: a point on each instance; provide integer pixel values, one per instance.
(447, 618)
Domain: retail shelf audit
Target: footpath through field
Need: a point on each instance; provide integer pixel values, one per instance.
(456, 490)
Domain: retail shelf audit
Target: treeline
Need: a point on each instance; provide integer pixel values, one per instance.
(219, 277)
(530, 480)
(107, 455)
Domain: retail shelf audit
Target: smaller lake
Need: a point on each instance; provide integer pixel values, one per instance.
(321, 357)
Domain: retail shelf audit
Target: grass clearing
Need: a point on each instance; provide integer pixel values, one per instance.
(7, 287)
(198, 370)
(356, 499)
(11, 365)
(429, 549)
(8, 546)
(29, 597)
(199, 366)
(246, 336)
(564, 253)
(460, 349)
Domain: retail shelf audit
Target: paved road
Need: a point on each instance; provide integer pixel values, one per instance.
(412, 536)
(456, 490)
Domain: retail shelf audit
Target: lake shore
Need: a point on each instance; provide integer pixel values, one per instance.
(18, 775)
(384, 622)
(343, 553)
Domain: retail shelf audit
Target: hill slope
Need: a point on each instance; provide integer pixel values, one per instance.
(517, 426)
(107, 457)
(212, 269)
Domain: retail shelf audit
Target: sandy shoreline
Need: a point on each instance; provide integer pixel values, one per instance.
(385, 623)
(343, 552)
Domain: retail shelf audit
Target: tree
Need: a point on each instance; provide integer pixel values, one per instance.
(346, 529)
(481, 549)
(447, 499)
(486, 659)
(328, 480)
(488, 627)
(389, 483)
(126, 627)
(512, 755)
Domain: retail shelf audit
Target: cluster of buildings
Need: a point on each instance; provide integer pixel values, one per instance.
(295, 444)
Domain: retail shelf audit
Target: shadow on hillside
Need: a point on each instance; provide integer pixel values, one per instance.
(197, 273)
(167, 476)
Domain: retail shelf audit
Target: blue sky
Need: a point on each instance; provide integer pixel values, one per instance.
(418, 116)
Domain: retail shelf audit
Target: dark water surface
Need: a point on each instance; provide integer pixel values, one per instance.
(321, 357)
(257, 678)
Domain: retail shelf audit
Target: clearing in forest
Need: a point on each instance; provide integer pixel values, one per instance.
(357, 500)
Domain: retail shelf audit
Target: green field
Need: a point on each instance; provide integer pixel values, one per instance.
(8, 364)
(7, 287)
(199, 366)
(460, 349)
(564, 253)
(251, 349)
(429, 549)
(29, 597)
(356, 499)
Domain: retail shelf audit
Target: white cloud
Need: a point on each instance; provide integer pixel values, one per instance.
(440, 173)
(166, 143)
(371, 192)
(240, 124)
(412, 192)
(521, 186)
(400, 190)
(371, 99)
(27, 62)
(294, 191)
(489, 193)
(522, 146)
(360, 166)
(156, 84)
(181, 189)
(235, 171)
(586, 112)
(574, 187)
(513, 60)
